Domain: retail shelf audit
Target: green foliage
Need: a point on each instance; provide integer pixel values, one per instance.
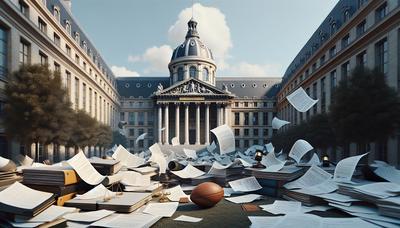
(104, 136)
(365, 108)
(119, 139)
(85, 130)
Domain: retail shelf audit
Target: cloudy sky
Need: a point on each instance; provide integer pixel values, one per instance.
(247, 37)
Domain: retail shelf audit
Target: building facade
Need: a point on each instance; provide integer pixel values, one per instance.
(45, 32)
(193, 100)
(356, 32)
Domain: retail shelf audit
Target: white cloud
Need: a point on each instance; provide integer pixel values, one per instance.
(212, 27)
(157, 58)
(256, 70)
(123, 72)
(134, 58)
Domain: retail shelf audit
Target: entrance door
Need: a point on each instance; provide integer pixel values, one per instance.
(192, 136)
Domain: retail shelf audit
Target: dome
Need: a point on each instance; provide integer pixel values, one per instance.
(192, 47)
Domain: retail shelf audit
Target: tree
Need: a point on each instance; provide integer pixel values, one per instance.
(84, 132)
(119, 139)
(364, 109)
(36, 107)
(104, 136)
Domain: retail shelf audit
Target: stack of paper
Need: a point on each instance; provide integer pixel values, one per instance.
(126, 158)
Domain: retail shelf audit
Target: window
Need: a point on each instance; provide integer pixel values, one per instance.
(131, 132)
(150, 132)
(192, 72)
(265, 132)
(246, 143)
(246, 104)
(361, 59)
(255, 118)
(141, 118)
(56, 13)
(265, 118)
(314, 67)
(24, 52)
(131, 118)
(122, 116)
(236, 104)
(77, 37)
(346, 15)
(307, 72)
(345, 41)
(361, 28)
(237, 143)
(255, 132)
(314, 88)
(84, 96)
(323, 95)
(43, 58)
(322, 60)
(57, 67)
(150, 118)
(205, 74)
(3, 52)
(246, 118)
(23, 8)
(333, 28)
(237, 118)
(381, 59)
(77, 60)
(84, 67)
(180, 74)
(361, 3)
(56, 39)
(68, 27)
(237, 132)
(332, 51)
(90, 101)
(68, 83)
(381, 12)
(42, 25)
(76, 93)
(95, 104)
(333, 80)
(345, 70)
(246, 132)
(68, 50)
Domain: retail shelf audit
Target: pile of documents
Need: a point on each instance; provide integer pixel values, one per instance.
(8, 173)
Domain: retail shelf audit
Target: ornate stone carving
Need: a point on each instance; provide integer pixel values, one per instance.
(191, 88)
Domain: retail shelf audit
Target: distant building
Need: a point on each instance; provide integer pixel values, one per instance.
(193, 100)
(44, 31)
(356, 32)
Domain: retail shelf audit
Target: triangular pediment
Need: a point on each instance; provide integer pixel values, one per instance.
(191, 87)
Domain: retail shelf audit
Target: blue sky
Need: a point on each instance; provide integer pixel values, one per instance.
(247, 37)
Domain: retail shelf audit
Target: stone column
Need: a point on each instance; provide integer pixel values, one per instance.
(159, 123)
(177, 121)
(218, 115)
(166, 122)
(197, 124)
(207, 122)
(226, 109)
(186, 124)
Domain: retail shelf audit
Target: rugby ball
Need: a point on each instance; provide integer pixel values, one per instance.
(207, 194)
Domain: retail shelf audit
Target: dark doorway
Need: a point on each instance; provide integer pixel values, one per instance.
(192, 136)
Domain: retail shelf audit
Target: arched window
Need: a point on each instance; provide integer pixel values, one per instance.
(77, 37)
(346, 15)
(84, 46)
(205, 74)
(56, 12)
(333, 28)
(68, 26)
(192, 72)
(180, 74)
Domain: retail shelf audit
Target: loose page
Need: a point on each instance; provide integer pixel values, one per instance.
(388, 173)
(97, 192)
(140, 137)
(184, 218)
(345, 223)
(277, 123)
(50, 214)
(211, 147)
(175, 141)
(87, 217)
(271, 163)
(225, 137)
(189, 172)
(380, 190)
(269, 147)
(127, 158)
(299, 220)
(247, 184)
(217, 169)
(85, 170)
(161, 209)
(157, 156)
(313, 176)
(244, 198)
(314, 160)
(131, 178)
(300, 100)
(299, 149)
(133, 219)
(345, 168)
(176, 193)
(282, 207)
(190, 153)
(325, 187)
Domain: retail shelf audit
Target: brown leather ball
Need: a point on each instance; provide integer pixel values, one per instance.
(207, 194)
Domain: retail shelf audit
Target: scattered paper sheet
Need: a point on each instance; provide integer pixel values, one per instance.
(176, 193)
(157, 156)
(336, 197)
(3, 162)
(247, 184)
(175, 141)
(263, 221)
(87, 217)
(244, 198)
(345, 223)
(153, 186)
(225, 137)
(345, 168)
(184, 218)
(388, 173)
(325, 187)
(190, 153)
(27, 161)
(270, 148)
(26, 198)
(140, 137)
(217, 169)
(131, 178)
(85, 170)
(300, 100)
(299, 220)
(313, 176)
(271, 163)
(50, 214)
(189, 172)
(127, 158)
(211, 147)
(380, 190)
(306, 209)
(243, 162)
(299, 149)
(161, 209)
(228, 191)
(282, 207)
(314, 160)
(127, 220)
(278, 123)
(97, 192)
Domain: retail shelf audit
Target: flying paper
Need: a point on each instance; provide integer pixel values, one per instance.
(127, 158)
(141, 137)
(299, 149)
(158, 157)
(190, 153)
(345, 168)
(300, 100)
(271, 163)
(175, 141)
(225, 137)
(277, 123)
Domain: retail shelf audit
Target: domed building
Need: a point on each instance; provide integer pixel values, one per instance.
(182, 109)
